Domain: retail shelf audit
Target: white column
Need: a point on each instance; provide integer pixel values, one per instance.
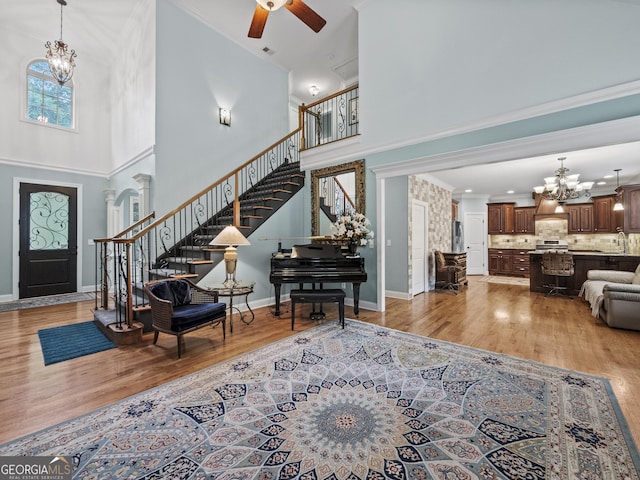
(112, 222)
(143, 193)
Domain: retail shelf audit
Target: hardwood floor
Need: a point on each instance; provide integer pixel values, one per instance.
(506, 319)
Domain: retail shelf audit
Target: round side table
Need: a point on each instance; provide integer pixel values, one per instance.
(239, 289)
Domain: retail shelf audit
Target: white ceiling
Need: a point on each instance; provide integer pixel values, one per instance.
(328, 59)
(522, 175)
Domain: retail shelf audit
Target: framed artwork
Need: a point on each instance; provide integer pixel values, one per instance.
(353, 111)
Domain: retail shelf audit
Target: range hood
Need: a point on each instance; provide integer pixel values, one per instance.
(546, 210)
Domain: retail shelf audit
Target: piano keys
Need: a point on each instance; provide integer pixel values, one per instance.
(317, 264)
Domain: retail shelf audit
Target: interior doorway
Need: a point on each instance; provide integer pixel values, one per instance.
(48, 240)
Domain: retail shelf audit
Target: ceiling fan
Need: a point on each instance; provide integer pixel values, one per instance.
(300, 9)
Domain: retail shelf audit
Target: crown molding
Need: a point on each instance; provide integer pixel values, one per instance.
(597, 135)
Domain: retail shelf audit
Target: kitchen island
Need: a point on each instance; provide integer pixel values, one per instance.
(583, 261)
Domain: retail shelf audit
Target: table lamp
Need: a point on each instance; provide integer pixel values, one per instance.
(231, 237)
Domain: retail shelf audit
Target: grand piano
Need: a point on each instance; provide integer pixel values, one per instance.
(317, 264)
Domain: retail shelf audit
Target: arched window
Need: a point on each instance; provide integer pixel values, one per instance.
(47, 101)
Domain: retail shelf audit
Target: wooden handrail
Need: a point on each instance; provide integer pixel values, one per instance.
(202, 192)
(329, 97)
(135, 225)
(346, 195)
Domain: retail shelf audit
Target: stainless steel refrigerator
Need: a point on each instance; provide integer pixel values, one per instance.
(457, 237)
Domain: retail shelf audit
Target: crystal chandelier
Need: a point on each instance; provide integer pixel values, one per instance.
(563, 187)
(61, 63)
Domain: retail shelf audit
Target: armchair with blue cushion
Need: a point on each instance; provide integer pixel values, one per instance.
(179, 306)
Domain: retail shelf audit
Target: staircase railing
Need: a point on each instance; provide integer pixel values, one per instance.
(336, 198)
(188, 226)
(330, 119)
(105, 260)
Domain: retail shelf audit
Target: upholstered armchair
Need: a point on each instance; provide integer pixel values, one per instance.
(179, 306)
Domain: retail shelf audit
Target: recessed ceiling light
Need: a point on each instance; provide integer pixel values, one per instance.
(468, 190)
(601, 183)
(608, 176)
(510, 191)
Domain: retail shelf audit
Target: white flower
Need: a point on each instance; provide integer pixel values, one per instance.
(353, 227)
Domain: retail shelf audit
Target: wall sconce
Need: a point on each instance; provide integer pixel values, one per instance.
(225, 116)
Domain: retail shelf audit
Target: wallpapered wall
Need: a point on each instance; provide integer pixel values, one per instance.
(439, 235)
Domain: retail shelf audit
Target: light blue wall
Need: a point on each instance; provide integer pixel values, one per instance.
(197, 71)
(448, 64)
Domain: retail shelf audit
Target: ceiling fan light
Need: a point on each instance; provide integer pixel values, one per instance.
(272, 5)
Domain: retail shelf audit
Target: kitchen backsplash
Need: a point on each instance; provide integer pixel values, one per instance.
(558, 230)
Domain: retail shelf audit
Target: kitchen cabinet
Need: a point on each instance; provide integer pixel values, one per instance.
(524, 220)
(500, 261)
(580, 217)
(605, 220)
(520, 262)
(631, 201)
(500, 218)
(508, 261)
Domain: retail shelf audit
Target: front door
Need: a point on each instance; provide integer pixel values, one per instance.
(48, 240)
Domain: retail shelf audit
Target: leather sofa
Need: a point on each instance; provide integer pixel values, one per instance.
(614, 297)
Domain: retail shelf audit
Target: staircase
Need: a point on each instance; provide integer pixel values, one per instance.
(177, 245)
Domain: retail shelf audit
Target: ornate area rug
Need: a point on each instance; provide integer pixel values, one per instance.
(365, 402)
(505, 280)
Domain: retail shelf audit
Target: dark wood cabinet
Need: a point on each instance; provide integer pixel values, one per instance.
(500, 218)
(508, 261)
(631, 201)
(605, 220)
(580, 217)
(524, 219)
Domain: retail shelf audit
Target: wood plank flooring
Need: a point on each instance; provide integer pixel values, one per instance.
(506, 319)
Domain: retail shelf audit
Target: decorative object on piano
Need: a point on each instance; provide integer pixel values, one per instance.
(231, 237)
(563, 187)
(354, 228)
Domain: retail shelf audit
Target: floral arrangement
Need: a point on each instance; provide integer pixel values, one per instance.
(353, 227)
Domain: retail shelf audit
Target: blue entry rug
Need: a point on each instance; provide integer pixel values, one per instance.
(72, 341)
(365, 402)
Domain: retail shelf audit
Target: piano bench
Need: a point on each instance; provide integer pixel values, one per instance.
(329, 295)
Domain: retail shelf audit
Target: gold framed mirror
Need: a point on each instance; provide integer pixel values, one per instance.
(345, 182)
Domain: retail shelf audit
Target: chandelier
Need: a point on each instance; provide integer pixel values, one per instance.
(563, 187)
(60, 59)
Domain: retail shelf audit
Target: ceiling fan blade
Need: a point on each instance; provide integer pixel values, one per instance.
(301, 10)
(258, 22)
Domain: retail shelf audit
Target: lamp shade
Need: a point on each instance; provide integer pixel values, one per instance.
(230, 236)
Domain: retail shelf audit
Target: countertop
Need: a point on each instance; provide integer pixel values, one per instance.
(590, 252)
